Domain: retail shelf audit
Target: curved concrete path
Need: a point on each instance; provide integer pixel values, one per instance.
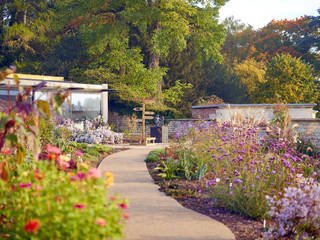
(153, 215)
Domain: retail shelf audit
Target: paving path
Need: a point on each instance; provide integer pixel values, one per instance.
(153, 215)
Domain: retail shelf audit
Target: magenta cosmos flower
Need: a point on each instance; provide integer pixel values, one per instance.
(25, 185)
(79, 154)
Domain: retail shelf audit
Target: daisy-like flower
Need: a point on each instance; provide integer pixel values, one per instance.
(79, 206)
(79, 154)
(25, 185)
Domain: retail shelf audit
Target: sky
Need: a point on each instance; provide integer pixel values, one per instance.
(259, 13)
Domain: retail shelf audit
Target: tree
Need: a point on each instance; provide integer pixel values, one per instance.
(131, 38)
(251, 74)
(288, 80)
(239, 43)
(24, 29)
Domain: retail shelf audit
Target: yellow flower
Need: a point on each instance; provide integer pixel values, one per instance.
(64, 158)
(71, 173)
(84, 165)
(109, 179)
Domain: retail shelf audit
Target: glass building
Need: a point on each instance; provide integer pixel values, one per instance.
(86, 101)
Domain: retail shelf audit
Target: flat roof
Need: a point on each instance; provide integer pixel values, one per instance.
(36, 77)
(54, 83)
(296, 105)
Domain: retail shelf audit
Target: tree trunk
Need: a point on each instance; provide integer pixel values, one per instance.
(154, 63)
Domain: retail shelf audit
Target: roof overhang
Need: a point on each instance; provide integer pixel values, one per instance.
(52, 84)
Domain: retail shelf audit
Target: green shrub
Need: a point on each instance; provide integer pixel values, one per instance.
(154, 155)
(46, 131)
(41, 202)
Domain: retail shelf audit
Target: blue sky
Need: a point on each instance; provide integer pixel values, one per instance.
(258, 13)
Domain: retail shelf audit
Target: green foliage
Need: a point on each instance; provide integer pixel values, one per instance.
(46, 131)
(180, 163)
(288, 80)
(154, 156)
(64, 208)
(92, 152)
(251, 74)
(173, 95)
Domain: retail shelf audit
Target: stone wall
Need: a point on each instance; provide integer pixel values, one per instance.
(203, 113)
(259, 112)
(306, 129)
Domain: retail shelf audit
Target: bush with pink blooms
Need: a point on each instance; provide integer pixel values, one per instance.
(44, 200)
(44, 193)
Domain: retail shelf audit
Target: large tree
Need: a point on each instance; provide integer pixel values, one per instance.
(131, 39)
(288, 80)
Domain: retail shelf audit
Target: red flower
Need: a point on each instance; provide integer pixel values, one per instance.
(32, 225)
(126, 216)
(6, 151)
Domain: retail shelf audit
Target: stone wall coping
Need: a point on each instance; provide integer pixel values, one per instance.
(290, 105)
(189, 119)
(305, 120)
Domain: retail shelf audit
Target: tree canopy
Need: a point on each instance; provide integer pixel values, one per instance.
(173, 50)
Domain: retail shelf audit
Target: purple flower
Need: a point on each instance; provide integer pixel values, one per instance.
(237, 180)
(240, 158)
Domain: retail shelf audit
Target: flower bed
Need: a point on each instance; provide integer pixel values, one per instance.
(239, 166)
(44, 193)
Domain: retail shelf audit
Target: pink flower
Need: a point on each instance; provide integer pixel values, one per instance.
(38, 188)
(62, 164)
(94, 173)
(25, 185)
(123, 205)
(79, 206)
(81, 175)
(79, 154)
(53, 149)
(100, 221)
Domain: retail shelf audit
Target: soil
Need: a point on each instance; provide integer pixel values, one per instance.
(185, 192)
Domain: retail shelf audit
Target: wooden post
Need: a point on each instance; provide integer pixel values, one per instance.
(143, 139)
